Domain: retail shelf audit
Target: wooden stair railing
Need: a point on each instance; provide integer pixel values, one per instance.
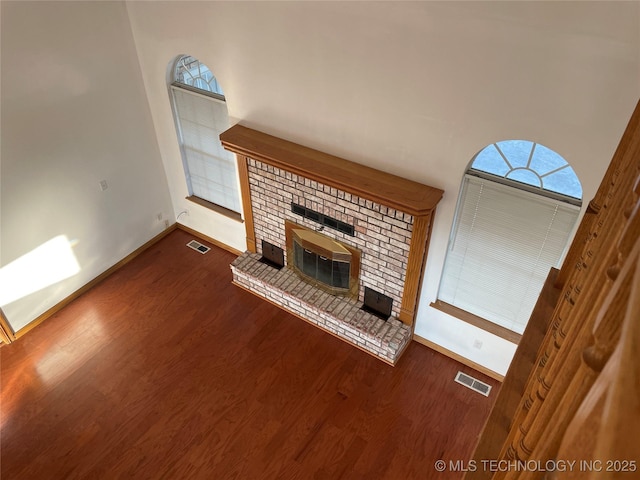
(574, 385)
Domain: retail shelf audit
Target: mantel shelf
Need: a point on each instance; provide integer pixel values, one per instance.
(384, 188)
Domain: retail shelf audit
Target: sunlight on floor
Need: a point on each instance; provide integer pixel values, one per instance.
(50, 263)
(82, 338)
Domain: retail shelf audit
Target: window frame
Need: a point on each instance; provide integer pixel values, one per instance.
(209, 96)
(570, 202)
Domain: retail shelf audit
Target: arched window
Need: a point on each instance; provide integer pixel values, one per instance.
(529, 164)
(190, 71)
(200, 112)
(517, 208)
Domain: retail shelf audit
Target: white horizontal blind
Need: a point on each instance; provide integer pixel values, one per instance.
(210, 169)
(503, 243)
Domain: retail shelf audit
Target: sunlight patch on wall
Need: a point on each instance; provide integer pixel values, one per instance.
(46, 265)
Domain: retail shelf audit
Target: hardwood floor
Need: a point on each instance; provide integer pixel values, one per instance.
(166, 370)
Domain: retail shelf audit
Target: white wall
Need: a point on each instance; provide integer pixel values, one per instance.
(74, 112)
(412, 88)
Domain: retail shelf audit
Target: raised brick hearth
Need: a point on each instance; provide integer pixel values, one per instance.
(339, 315)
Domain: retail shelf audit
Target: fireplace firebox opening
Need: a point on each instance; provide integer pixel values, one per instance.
(322, 261)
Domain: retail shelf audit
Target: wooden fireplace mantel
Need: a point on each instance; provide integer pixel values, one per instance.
(383, 188)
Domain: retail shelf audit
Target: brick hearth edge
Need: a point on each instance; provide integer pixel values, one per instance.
(341, 316)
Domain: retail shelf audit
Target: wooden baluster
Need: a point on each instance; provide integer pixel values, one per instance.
(579, 441)
(549, 348)
(573, 378)
(555, 336)
(594, 358)
(569, 397)
(563, 361)
(618, 435)
(604, 429)
(628, 141)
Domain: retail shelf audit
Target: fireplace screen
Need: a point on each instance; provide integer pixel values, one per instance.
(323, 261)
(327, 270)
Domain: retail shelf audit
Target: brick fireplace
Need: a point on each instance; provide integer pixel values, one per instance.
(384, 218)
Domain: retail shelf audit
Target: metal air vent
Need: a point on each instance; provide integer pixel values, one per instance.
(473, 384)
(198, 247)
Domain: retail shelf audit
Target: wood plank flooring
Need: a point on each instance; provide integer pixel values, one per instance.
(167, 371)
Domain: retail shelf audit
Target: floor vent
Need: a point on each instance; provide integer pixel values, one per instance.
(198, 247)
(473, 384)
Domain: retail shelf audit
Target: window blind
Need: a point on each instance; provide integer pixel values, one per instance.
(210, 169)
(503, 243)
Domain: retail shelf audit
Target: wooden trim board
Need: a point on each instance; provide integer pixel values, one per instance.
(66, 301)
(208, 239)
(476, 321)
(216, 208)
(245, 190)
(415, 269)
(459, 358)
(387, 189)
(7, 334)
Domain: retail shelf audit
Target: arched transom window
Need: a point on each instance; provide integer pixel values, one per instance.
(517, 208)
(531, 164)
(190, 71)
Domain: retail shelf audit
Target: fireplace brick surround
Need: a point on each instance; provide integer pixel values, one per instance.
(392, 219)
(383, 234)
